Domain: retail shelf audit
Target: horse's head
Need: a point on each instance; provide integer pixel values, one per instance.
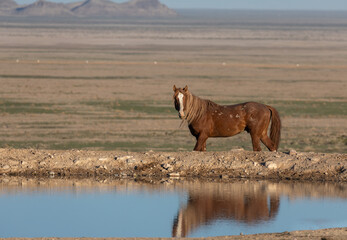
(180, 99)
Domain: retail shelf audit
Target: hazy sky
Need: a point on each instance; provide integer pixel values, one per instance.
(243, 4)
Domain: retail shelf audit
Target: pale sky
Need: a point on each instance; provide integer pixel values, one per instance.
(242, 4)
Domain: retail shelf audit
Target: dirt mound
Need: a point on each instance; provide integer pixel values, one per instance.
(226, 165)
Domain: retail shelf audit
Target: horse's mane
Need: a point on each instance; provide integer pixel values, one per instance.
(196, 107)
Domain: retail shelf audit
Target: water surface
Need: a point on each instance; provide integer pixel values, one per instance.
(172, 208)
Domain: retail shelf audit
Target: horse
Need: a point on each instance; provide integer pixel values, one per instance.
(208, 119)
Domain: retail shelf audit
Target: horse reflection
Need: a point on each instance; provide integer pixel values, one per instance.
(202, 209)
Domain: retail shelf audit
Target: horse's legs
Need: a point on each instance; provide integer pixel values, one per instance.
(200, 142)
(255, 142)
(204, 147)
(267, 142)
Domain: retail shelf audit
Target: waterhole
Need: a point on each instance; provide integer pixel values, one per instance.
(166, 208)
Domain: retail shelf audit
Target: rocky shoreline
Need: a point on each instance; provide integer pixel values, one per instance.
(224, 165)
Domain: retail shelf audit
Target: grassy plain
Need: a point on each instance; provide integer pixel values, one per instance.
(108, 84)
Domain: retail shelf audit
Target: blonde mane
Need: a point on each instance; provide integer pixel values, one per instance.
(195, 108)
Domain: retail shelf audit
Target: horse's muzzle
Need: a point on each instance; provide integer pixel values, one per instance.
(181, 115)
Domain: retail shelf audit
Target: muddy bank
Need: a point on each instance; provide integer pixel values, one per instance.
(226, 165)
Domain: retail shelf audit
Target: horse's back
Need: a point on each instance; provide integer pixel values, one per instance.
(249, 107)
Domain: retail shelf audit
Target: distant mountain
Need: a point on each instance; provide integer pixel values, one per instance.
(44, 8)
(6, 6)
(97, 8)
(148, 8)
(134, 8)
(88, 8)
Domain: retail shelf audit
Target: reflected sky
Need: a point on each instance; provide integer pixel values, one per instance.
(179, 209)
(133, 214)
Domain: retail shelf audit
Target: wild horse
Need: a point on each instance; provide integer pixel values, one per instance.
(208, 119)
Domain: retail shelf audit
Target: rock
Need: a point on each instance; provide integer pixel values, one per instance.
(271, 165)
(131, 160)
(103, 159)
(77, 162)
(123, 158)
(313, 159)
(6, 167)
(166, 166)
(292, 152)
(101, 167)
(237, 149)
(293, 168)
(174, 175)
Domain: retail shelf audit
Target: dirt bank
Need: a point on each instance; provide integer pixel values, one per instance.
(226, 165)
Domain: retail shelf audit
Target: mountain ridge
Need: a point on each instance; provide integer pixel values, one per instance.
(87, 8)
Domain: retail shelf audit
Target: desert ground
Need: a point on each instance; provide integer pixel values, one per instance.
(94, 98)
(108, 85)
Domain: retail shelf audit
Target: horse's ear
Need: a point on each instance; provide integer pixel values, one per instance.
(185, 88)
(174, 88)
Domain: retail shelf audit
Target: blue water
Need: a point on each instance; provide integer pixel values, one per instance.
(156, 213)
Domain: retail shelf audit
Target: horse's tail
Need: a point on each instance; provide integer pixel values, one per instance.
(275, 130)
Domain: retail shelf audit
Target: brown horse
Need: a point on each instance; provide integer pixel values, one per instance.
(208, 119)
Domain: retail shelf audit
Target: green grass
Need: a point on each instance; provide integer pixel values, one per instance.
(148, 107)
(12, 107)
(310, 108)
